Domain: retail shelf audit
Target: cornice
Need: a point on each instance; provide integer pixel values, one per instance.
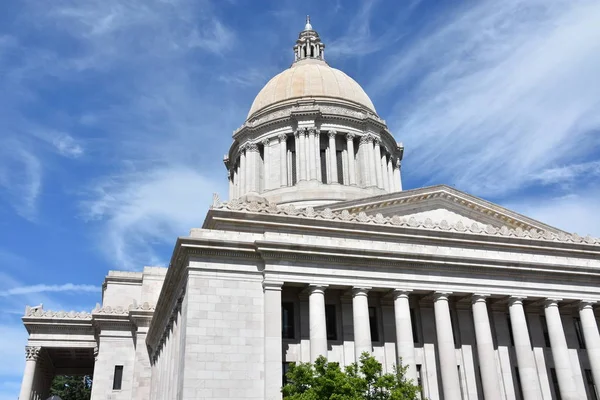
(442, 192)
(474, 230)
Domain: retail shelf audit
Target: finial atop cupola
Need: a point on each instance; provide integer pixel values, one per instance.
(308, 26)
(309, 45)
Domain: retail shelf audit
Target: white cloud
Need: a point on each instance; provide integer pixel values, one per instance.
(20, 178)
(568, 174)
(66, 287)
(497, 92)
(576, 213)
(140, 211)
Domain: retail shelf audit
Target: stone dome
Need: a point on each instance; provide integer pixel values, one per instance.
(312, 137)
(310, 78)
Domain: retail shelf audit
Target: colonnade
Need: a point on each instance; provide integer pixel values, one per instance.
(405, 348)
(373, 165)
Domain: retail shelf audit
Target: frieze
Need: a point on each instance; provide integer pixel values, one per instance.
(39, 312)
(410, 222)
(296, 109)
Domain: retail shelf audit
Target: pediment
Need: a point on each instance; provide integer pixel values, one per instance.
(439, 203)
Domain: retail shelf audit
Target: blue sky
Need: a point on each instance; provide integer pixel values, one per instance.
(115, 115)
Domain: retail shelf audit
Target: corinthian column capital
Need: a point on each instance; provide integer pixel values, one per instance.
(32, 352)
(282, 137)
(332, 133)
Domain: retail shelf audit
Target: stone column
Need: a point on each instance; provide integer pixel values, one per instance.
(318, 155)
(273, 343)
(312, 165)
(236, 183)
(390, 175)
(405, 344)
(302, 155)
(377, 163)
(242, 171)
(333, 174)
(266, 164)
(316, 319)
(589, 326)
(283, 159)
(560, 351)
(297, 153)
(364, 154)
(360, 314)
(525, 359)
(384, 173)
(252, 161)
(231, 185)
(397, 177)
(351, 165)
(32, 355)
(445, 342)
(485, 348)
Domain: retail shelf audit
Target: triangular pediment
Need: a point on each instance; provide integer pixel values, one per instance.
(439, 203)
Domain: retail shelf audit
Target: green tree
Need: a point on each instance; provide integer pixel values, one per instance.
(72, 387)
(325, 380)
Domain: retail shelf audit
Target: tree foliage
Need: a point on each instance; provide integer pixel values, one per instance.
(325, 380)
(72, 387)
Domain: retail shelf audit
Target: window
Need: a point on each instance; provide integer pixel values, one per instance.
(579, 332)
(555, 384)
(287, 320)
(413, 321)
(293, 169)
(420, 380)
(284, 370)
(460, 382)
(118, 378)
(331, 322)
(592, 389)
(323, 162)
(518, 382)
(545, 331)
(340, 167)
(373, 324)
(510, 332)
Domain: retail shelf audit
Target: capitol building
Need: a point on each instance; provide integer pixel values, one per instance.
(319, 251)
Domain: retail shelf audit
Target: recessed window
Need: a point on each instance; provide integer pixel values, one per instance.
(413, 321)
(118, 378)
(518, 381)
(331, 321)
(545, 331)
(510, 331)
(579, 332)
(373, 324)
(287, 320)
(284, 370)
(592, 388)
(555, 384)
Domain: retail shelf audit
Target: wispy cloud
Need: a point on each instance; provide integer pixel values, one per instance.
(139, 212)
(20, 178)
(568, 174)
(497, 92)
(576, 212)
(67, 287)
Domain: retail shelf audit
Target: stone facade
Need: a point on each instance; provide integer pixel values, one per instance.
(478, 301)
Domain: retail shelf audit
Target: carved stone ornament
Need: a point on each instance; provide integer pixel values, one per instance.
(265, 142)
(350, 136)
(32, 353)
(332, 133)
(412, 222)
(252, 147)
(282, 137)
(366, 139)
